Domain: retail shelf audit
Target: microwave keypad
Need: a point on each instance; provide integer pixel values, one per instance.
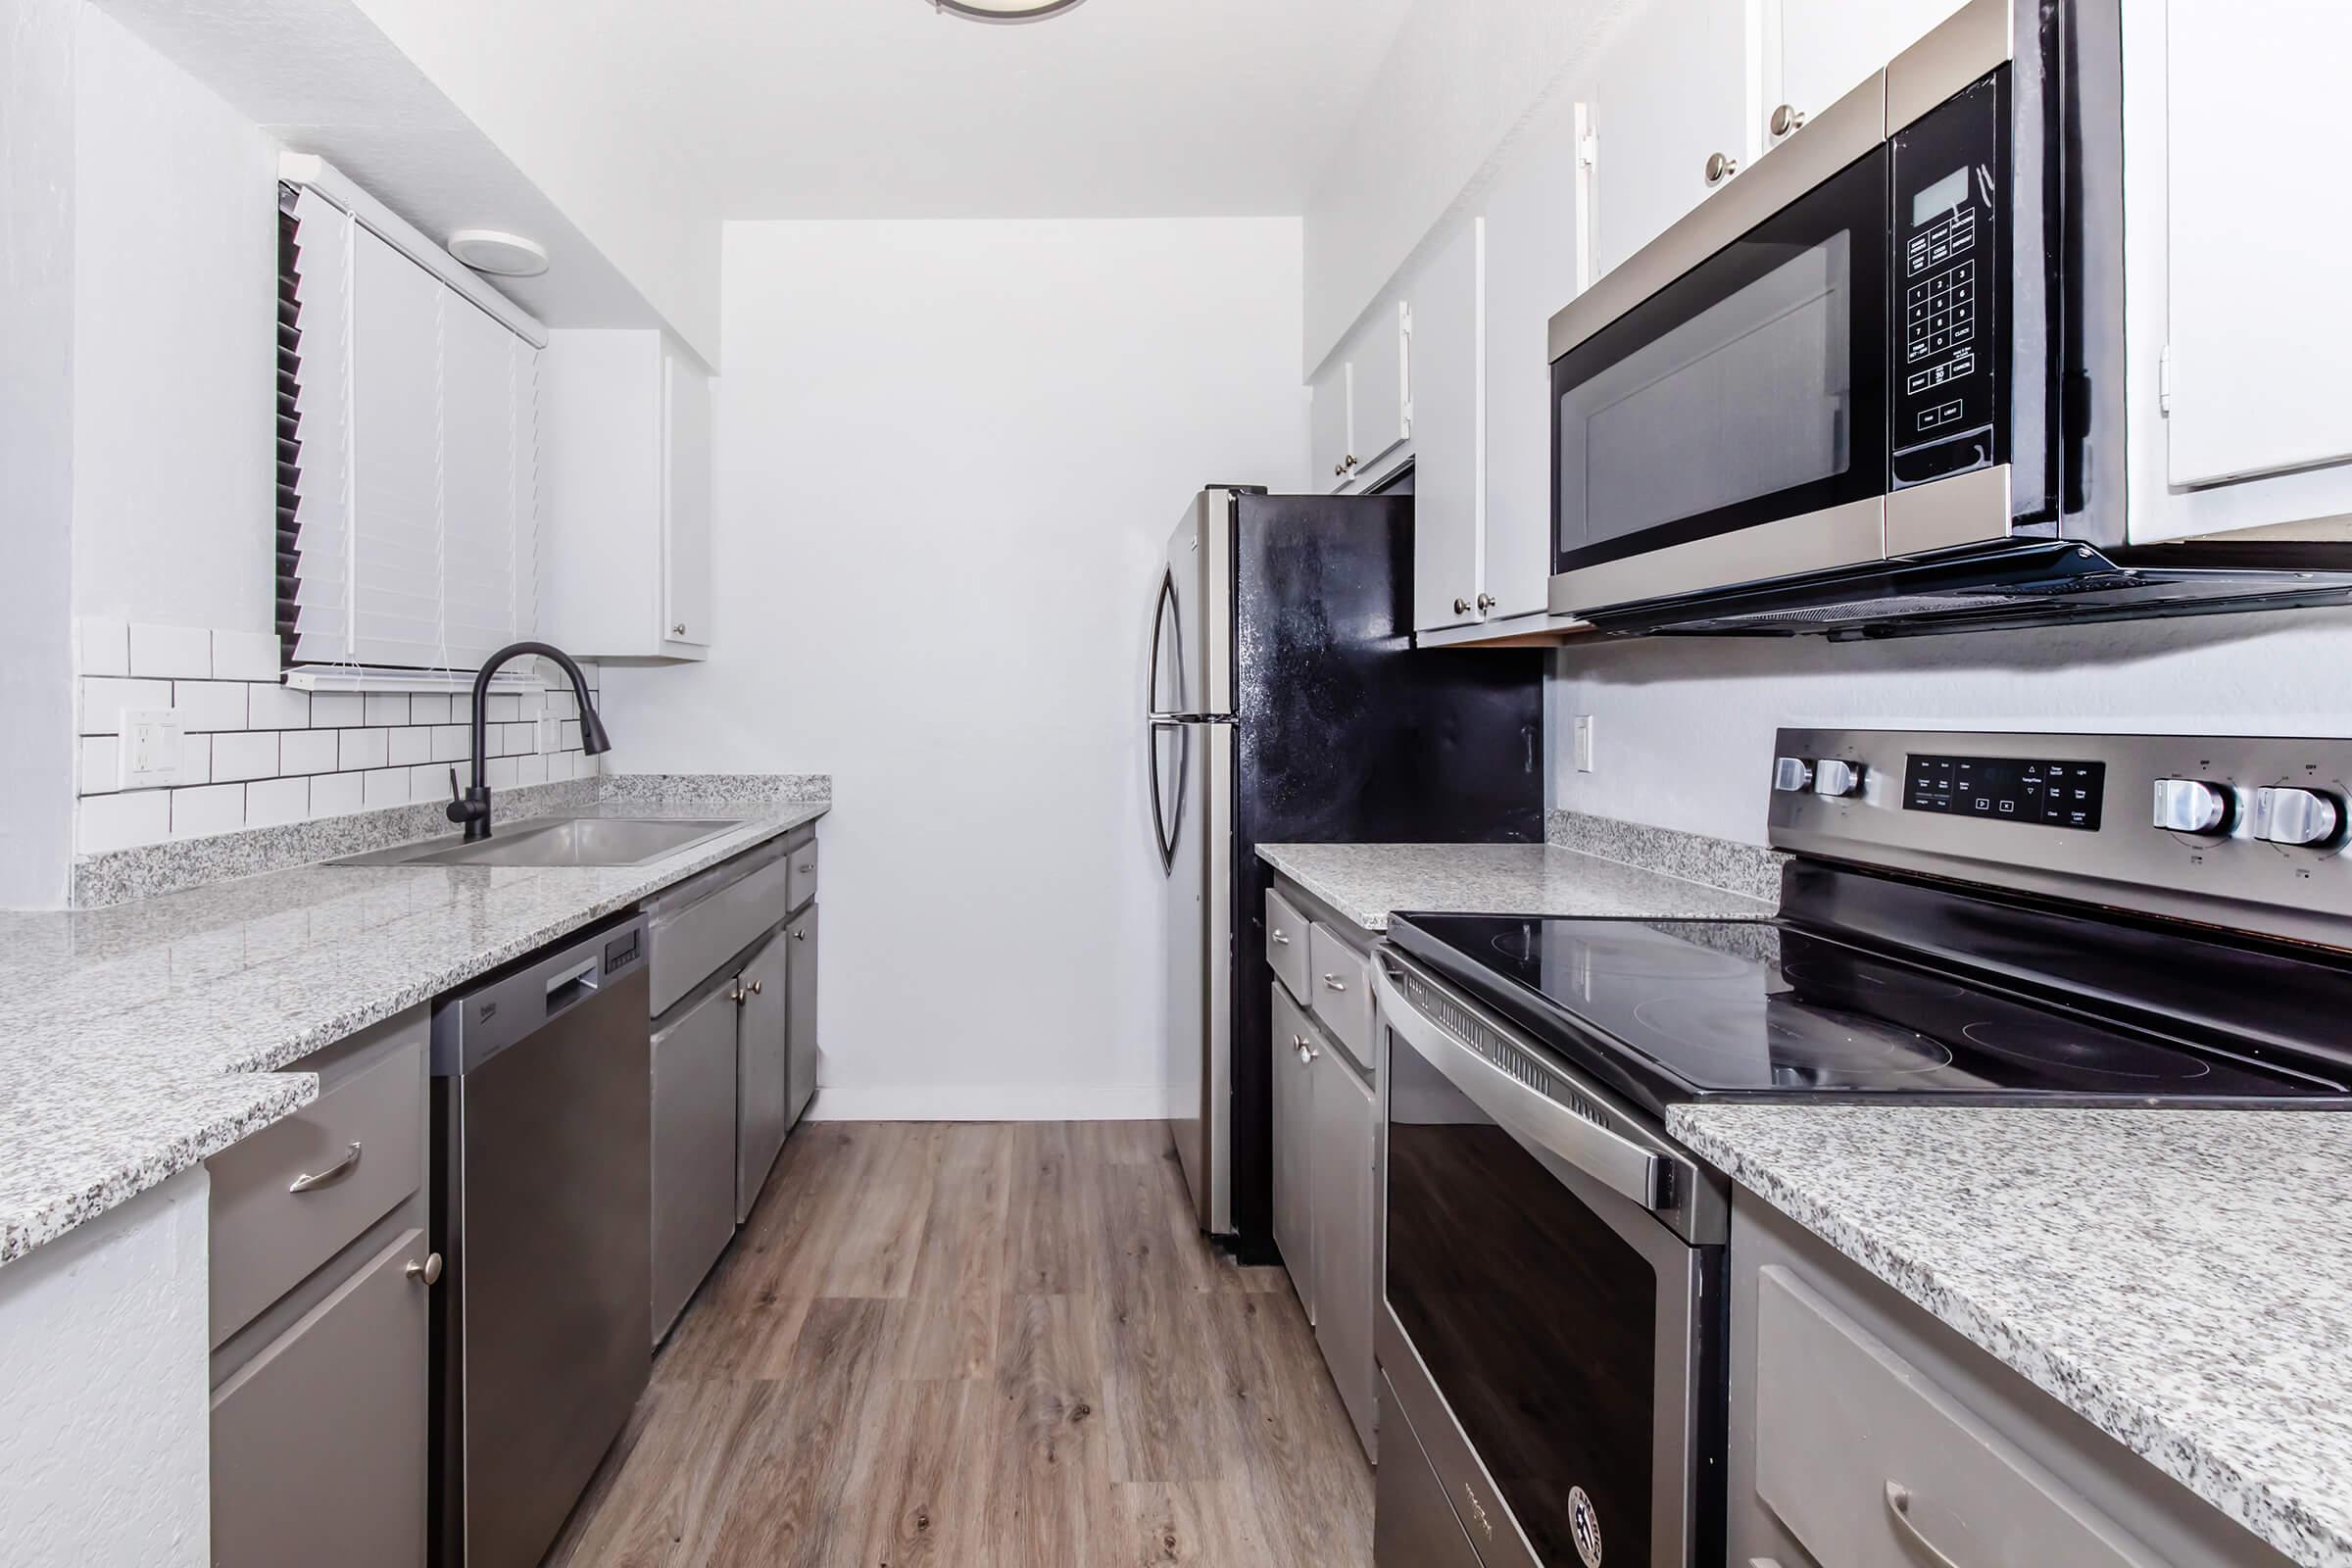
(1949, 171)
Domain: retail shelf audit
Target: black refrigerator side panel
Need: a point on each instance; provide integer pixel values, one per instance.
(1346, 733)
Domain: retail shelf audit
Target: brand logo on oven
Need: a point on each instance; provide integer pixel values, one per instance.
(1585, 1526)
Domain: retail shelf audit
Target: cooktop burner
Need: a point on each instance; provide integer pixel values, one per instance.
(1681, 1010)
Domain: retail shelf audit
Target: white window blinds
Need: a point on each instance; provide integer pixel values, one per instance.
(415, 495)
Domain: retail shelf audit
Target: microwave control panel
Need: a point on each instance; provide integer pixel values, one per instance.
(1949, 169)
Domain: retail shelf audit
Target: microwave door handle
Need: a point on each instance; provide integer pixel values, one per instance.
(1624, 1167)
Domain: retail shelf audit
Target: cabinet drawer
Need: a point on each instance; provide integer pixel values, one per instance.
(318, 1443)
(356, 1150)
(1287, 943)
(801, 880)
(1870, 1463)
(1341, 993)
(700, 925)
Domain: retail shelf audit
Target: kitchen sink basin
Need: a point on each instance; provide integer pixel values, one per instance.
(554, 841)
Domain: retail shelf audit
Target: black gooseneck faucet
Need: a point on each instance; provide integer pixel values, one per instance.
(471, 808)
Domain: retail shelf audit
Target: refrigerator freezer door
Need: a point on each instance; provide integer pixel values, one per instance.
(1200, 1010)
(1192, 636)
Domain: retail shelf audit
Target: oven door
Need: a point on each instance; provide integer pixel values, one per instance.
(1720, 416)
(1552, 1341)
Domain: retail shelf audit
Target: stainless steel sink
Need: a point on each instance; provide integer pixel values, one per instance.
(554, 841)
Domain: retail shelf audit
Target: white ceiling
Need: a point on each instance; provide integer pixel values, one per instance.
(885, 107)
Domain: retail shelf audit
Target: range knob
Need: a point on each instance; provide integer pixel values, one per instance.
(1833, 777)
(2297, 817)
(1791, 773)
(2192, 805)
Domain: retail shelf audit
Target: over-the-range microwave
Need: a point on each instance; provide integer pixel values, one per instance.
(1876, 382)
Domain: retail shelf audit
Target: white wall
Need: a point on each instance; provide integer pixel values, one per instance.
(105, 1456)
(949, 455)
(1683, 729)
(175, 266)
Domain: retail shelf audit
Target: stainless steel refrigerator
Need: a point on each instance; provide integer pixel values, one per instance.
(1286, 702)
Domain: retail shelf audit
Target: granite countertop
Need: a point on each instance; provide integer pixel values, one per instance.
(2182, 1279)
(1366, 881)
(139, 1039)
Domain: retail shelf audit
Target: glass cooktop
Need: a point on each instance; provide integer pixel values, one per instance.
(1681, 1010)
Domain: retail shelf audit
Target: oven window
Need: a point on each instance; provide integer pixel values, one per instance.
(1750, 389)
(1537, 1322)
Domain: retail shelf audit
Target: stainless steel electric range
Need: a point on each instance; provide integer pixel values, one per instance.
(1968, 918)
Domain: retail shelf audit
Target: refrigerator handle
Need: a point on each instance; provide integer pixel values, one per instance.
(1162, 613)
(1166, 826)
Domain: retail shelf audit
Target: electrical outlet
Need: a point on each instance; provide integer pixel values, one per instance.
(150, 749)
(550, 734)
(1584, 743)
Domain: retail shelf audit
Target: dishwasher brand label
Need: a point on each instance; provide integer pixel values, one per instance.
(1585, 1525)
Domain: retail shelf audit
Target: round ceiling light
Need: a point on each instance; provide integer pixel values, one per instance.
(487, 250)
(1005, 10)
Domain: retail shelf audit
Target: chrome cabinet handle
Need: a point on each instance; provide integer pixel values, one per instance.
(1306, 1049)
(427, 1272)
(1461, 606)
(1898, 1503)
(1721, 167)
(757, 986)
(808, 866)
(1787, 119)
(1485, 602)
(801, 934)
(1332, 982)
(1280, 937)
(679, 630)
(308, 1183)
(739, 996)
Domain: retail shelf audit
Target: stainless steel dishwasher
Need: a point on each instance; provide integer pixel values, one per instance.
(542, 1207)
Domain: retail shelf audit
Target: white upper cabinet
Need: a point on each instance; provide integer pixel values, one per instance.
(1817, 51)
(1449, 480)
(1380, 397)
(1531, 271)
(1677, 89)
(627, 438)
(1327, 452)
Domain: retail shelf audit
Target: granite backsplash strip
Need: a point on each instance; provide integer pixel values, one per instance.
(1747, 868)
(119, 876)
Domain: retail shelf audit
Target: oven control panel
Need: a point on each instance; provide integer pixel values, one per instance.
(2245, 832)
(1949, 173)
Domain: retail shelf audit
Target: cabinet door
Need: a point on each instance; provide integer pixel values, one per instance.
(1347, 1131)
(1817, 51)
(1327, 428)
(1380, 399)
(1530, 274)
(318, 1443)
(685, 502)
(694, 1151)
(760, 1053)
(1449, 476)
(800, 1073)
(1676, 88)
(1294, 1048)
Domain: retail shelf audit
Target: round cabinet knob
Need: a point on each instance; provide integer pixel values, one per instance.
(757, 986)
(1485, 602)
(1721, 167)
(1787, 119)
(1461, 606)
(2297, 817)
(1833, 777)
(427, 1272)
(1790, 774)
(1339, 468)
(679, 630)
(2192, 805)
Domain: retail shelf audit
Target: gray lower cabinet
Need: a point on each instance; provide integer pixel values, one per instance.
(761, 1048)
(694, 1149)
(800, 1041)
(1295, 1047)
(318, 1450)
(1347, 1135)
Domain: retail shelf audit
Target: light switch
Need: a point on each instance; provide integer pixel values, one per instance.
(150, 747)
(550, 734)
(1584, 743)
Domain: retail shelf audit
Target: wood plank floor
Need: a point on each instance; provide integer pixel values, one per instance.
(980, 1343)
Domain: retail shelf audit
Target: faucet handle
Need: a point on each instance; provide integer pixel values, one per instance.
(454, 793)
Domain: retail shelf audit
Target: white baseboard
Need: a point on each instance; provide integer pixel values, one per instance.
(990, 1103)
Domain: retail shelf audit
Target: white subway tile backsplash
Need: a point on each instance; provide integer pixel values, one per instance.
(571, 733)
(499, 774)
(308, 751)
(207, 808)
(428, 708)
(101, 766)
(103, 698)
(245, 656)
(336, 794)
(530, 771)
(452, 743)
(429, 782)
(533, 704)
(502, 707)
(272, 801)
(105, 646)
(209, 704)
(558, 768)
(337, 709)
(385, 786)
(412, 744)
(270, 705)
(387, 707)
(520, 739)
(171, 650)
(195, 760)
(120, 822)
(362, 749)
(249, 753)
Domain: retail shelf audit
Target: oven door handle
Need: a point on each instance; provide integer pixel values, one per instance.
(1627, 1168)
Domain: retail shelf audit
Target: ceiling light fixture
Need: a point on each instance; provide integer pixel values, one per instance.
(1003, 9)
(501, 254)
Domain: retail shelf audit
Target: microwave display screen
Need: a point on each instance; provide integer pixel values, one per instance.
(1940, 198)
